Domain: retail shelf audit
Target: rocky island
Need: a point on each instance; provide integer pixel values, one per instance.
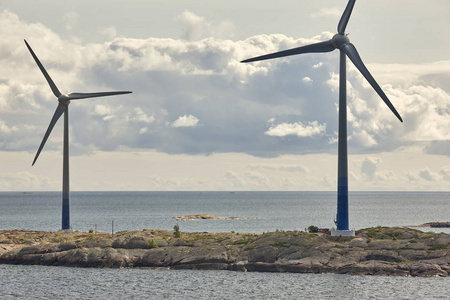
(208, 217)
(373, 251)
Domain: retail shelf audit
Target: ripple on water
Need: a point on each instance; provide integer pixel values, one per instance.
(39, 282)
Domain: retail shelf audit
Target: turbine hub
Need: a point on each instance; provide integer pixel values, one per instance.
(64, 99)
(339, 40)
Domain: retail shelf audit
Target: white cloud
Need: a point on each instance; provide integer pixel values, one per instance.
(143, 130)
(139, 115)
(204, 76)
(186, 121)
(445, 173)
(70, 19)
(102, 110)
(197, 27)
(298, 129)
(428, 175)
(24, 181)
(319, 65)
(235, 102)
(109, 32)
(328, 12)
(307, 79)
(369, 167)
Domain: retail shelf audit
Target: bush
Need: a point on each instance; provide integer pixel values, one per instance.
(176, 231)
(313, 229)
(152, 244)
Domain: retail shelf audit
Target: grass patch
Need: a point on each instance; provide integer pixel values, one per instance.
(59, 239)
(282, 244)
(439, 247)
(194, 238)
(246, 239)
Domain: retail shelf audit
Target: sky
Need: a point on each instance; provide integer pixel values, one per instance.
(198, 119)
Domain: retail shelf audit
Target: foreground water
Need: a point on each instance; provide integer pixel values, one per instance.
(38, 282)
(272, 210)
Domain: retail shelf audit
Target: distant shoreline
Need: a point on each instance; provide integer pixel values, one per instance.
(374, 251)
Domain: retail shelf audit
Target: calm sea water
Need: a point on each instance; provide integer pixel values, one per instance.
(269, 210)
(38, 282)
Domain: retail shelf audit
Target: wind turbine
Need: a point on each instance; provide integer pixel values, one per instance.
(339, 41)
(63, 108)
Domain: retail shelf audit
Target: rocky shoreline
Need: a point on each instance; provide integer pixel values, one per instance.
(208, 217)
(374, 251)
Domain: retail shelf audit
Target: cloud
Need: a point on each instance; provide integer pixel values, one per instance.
(298, 129)
(70, 19)
(25, 181)
(138, 115)
(109, 32)
(197, 27)
(182, 81)
(319, 65)
(185, 121)
(445, 173)
(328, 12)
(369, 167)
(283, 168)
(428, 175)
(307, 79)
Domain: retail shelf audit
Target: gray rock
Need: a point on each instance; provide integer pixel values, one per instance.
(358, 242)
(263, 254)
(68, 246)
(202, 266)
(424, 269)
(382, 255)
(136, 243)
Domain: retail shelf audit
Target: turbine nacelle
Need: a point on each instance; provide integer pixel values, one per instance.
(64, 99)
(339, 40)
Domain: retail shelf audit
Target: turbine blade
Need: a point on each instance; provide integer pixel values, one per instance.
(346, 16)
(55, 90)
(351, 52)
(58, 112)
(313, 48)
(74, 96)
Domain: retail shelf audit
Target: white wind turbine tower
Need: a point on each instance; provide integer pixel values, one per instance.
(339, 41)
(63, 108)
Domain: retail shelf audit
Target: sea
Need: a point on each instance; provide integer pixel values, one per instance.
(263, 212)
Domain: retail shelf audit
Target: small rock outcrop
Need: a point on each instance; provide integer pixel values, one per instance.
(374, 251)
(436, 225)
(208, 217)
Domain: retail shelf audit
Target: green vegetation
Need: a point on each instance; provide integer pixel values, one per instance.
(198, 237)
(390, 233)
(313, 229)
(282, 244)
(176, 231)
(439, 247)
(246, 239)
(152, 244)
(59, 239)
